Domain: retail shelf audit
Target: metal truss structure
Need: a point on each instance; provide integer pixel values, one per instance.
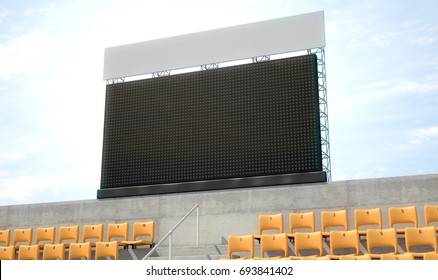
(161, 74)
(323, 110)
(210, 66)
(261, 58)
(115, 81)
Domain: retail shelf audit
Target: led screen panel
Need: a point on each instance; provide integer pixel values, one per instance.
(258, 119)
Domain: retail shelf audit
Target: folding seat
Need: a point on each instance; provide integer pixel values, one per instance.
(366, 218)
(300, 221)
(79, 251)
(270, 222)
(54, 251)
(365, 257)
(308, 241)
(26, 252)
(119, 231)
(238, 244)
(396, 257)
(46, 235)
(142, 229)
(274, 242)
(7, 253)
(425, 236)
(431, 215)
(107, 249)
(93, 232)
(332, 219)
(402, 216)
(344, 240)
(383, 239)
(68, 235)
(23, 236)
(5, 236)
(430, 256)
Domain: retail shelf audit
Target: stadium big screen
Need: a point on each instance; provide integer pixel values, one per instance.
(246, 125)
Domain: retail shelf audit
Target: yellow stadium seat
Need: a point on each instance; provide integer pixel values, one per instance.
(26, 252)
(365, 257)
(307, 241)
(430, 256)
(107, 249)
(5, 236)
(274, 242)
(382, 238)
(22, 236)
(425, 236)
(92, 232)
(53, 251)
(79, 251)
(142, 229)
(270, 222)
(119, 231)
(344, 240)
(431, 215)
(238, 244)
(7, 253)
(68, 235)
(366, 218)
(332, 219)
(300, 221)
(46, 235)
(402, 216)
(396, 257)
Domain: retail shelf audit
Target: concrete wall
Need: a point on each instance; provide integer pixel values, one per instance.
(233, 211)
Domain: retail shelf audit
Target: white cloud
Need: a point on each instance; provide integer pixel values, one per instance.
(423, 135)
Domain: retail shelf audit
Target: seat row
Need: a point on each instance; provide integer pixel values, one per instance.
(381, 244)
(68, 236)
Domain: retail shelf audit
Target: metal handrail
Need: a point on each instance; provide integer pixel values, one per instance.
(169, 234)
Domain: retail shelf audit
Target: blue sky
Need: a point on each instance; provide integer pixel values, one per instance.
(382, 81)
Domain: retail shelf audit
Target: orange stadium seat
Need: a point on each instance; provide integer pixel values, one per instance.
(367, 218)
(332, 219)
(54, 251)
(396, 257)
(431, 215)
(26, 252)
(68, 233)
(382, 238)
(7, 253)
(93, 232)
(22, 236)
(402, 216)
(237, 244)
(300, 221)
(119, 231)
(46, 235)
(308, 241)
(365, 257)
(107, 249)
(274, 242)
(5, 236)
(270, 222)
(344, 240)
(142, 229)
(430, 256)
(425, 236)
(79, 251)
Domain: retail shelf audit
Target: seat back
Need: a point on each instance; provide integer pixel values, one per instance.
(271, 222)
(22, 236)
(367, 217)
(45, 234)
(26, 252)
(396, 257)
(92, 232)
(7, 253)
(403, 215)
(430, 214)
(5, 237)
(344, 240)
(382, 238)
(334, 219)
(144, 229)
(301, 220)
(308, 241)
(274, 242)
(238, 244)
(79, 250)
(420, 237)
(107, 249)
(430, 256)
(53, 251)
(118, 231)
(67, 233)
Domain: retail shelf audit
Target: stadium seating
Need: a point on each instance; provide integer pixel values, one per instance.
(431, 215)
(142, 229)
(367, 218)
(22, 236)
(300, 221)
(46, 235)
(396, 257)
(237, 244)
(332, 219)
(53, 251)
(92, 232)
(28, 252)
(365, 257)
(270, 222)
(425, 236)
(403, 216)
(68, 233)
(107, 249)
(309, 242)
(118, 231)
(274, 242)
(79, 251)
(430, 256)
(7, 253)
(382, 238)
(343, 240)
(5, 236)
